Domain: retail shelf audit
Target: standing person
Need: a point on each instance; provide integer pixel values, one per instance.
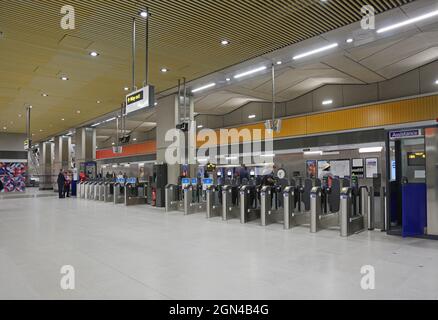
(61, 182)
(67, 184)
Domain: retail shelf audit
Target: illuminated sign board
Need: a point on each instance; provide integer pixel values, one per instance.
(404, 134)
(140, 99)
(416, 159)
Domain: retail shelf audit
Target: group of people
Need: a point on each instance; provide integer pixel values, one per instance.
(64, 183)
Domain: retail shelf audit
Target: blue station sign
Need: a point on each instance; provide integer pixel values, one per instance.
(404, 134)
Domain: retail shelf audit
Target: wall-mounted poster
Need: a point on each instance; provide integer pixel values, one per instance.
(372, 167)
(311, 169)
(324, 169)
(13, 176)
(340, 168)
(358, 168)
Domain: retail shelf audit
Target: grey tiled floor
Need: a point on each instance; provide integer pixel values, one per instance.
(143, 253)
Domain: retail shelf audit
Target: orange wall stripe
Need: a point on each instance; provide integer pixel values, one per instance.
(148, 147)
(377, 115)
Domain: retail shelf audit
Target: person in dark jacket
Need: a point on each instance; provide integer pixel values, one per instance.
(61, 183)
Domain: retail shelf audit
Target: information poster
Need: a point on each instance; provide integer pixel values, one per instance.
(324, 169)
(340, 168)
(311, 168)
(372, 167)
(358, 168)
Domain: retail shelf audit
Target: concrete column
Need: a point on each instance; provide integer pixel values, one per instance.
(62, 158)
(168, 116)
(47, 179)
(85, 149)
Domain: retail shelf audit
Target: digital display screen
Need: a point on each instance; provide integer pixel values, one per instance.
(416, 159)
(185, 181)
(138, 96)
(194, 181)
(207, 181)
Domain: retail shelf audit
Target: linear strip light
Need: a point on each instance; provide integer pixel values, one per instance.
(300, 56)
(409, 21)
(247, 73)
(311, 153)
(210, 85)
(371, 150)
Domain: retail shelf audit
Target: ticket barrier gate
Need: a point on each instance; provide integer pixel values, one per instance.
(119, 193)
(319, 220)
(194, 199)
(353, 221)
(292, 216)
(108, 195)
(90, 190)
(81, 190)
(173, 198)
(213, 196)
(230, 202)
(272, 204)
(135, 194)
(98, 191)
(250, 206)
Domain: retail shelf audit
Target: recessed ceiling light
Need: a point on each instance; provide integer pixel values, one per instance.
(327, 102)
(350, 40)
(228, 79)
(41, 130)
(279, 62)
(98, 101)
(204, 87)
(156, 104)
(164, 70)
(20, 115)
(200, 126)
(94, 54)
(126, 89)
(62, 119)
(135, 139)
(225, 42)
(44, 94)
(436, 82)
(5, 128)
(64, 78)
(78, 111)
(309, 53)
(144, 14)
(252, 116)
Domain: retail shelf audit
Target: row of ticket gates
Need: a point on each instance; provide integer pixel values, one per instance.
(120, 191)
(332, 203)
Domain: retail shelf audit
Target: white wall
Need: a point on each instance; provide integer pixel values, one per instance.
(12, 141)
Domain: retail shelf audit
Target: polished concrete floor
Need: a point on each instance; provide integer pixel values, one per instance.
(143, 253)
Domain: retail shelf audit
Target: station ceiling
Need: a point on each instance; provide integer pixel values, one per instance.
(185, 38)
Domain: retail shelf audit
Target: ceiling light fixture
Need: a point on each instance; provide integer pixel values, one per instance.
(225, 42)
(228, 79)
(349, 40)
(78, 111)
(250, 72)
(98, 101)
(144, 14)
(210, 85)
(44, 94)
(279, 63)
(94, 54)
(327, 102)
(200, 126)
(409, 21)
(64, 78)
(371, 150)
(62, 119)
(164, 70)
(312, 153)
(309, 53)
(436, 82)
(252, 116)
(126, 89)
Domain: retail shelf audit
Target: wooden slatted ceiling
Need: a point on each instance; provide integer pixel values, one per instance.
(185, 37)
